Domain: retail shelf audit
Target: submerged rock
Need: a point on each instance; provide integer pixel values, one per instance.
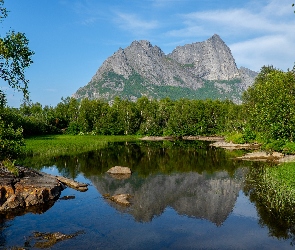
(230, 145)
(121, 199)
(82, 187)
(47, 240)
(262, 156)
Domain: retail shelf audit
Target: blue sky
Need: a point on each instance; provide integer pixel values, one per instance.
(72, 38)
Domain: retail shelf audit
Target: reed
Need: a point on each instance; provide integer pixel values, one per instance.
(275, 187)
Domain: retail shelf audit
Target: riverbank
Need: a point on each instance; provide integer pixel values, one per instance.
(31, 189)
(219, 142)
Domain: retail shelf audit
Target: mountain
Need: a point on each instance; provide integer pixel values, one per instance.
(196, 71)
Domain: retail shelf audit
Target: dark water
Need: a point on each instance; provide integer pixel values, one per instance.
(185, 195)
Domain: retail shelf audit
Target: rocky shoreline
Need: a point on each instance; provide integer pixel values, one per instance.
(219, 142)
(31, 190)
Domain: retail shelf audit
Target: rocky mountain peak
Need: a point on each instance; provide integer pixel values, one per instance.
(212, 59)
(143, 43)
(191, 71)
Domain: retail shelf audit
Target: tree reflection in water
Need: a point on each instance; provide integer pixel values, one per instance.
(191, 177)
(280, 219)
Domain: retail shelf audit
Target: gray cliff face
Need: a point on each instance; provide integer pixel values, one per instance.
(189, 194)
(142, 69)
(211, 59)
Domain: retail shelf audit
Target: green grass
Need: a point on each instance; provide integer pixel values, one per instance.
(53, 145)
(276, 190)
(284, 174)
(235, 137)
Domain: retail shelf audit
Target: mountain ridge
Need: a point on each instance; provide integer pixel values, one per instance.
(199, 70)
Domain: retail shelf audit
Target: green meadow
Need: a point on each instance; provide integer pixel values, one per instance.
(55, 145)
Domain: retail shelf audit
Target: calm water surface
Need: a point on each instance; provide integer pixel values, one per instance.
(185, 195)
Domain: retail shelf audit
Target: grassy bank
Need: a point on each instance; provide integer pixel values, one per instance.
(272, 189)
(276, 190)
(283, 146)
(69, 144)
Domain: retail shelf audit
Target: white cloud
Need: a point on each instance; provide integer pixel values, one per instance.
(134, 24)
(189, 31)
(259, 36)
(273, 50)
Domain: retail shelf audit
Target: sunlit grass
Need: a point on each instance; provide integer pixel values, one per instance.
(284, 175)
(277, 189)
(69, 144)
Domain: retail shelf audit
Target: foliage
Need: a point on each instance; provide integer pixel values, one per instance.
(270, 104)
(235, 137)
(273, 190)
(15, 56)
(135, 86)
(9, 165)
(144, 117)
(11, 141)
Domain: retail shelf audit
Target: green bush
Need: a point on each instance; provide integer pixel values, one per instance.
(73, 128)
(11, 141)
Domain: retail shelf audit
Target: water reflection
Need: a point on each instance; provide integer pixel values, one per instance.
(144, 158)
(189, 178)
(280, 221)
(210, 197)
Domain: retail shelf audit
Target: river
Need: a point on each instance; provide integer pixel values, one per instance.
(184, 195)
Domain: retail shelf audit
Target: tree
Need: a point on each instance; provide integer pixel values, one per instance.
(15, 57)
(270, 104)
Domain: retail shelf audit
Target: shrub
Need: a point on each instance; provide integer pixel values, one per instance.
(11, 141)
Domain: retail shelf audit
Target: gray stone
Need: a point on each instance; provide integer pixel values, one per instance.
(119, 170)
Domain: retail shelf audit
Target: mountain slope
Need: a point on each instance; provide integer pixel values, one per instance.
(196, 71)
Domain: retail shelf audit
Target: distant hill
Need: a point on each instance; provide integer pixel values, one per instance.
(196, 71)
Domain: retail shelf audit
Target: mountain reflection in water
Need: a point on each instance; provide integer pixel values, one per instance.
(185, 195)
(210, 197)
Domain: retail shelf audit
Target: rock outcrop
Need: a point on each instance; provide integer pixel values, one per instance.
(197, 71)
(210, 60)
(31, 189)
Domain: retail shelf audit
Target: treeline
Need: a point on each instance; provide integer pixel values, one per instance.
(267, 115)
(122, 117)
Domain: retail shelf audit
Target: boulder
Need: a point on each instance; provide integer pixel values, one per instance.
(119, 170)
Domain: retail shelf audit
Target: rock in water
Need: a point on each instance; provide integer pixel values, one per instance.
(121, 199)
(31, 189)
(119, 170)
